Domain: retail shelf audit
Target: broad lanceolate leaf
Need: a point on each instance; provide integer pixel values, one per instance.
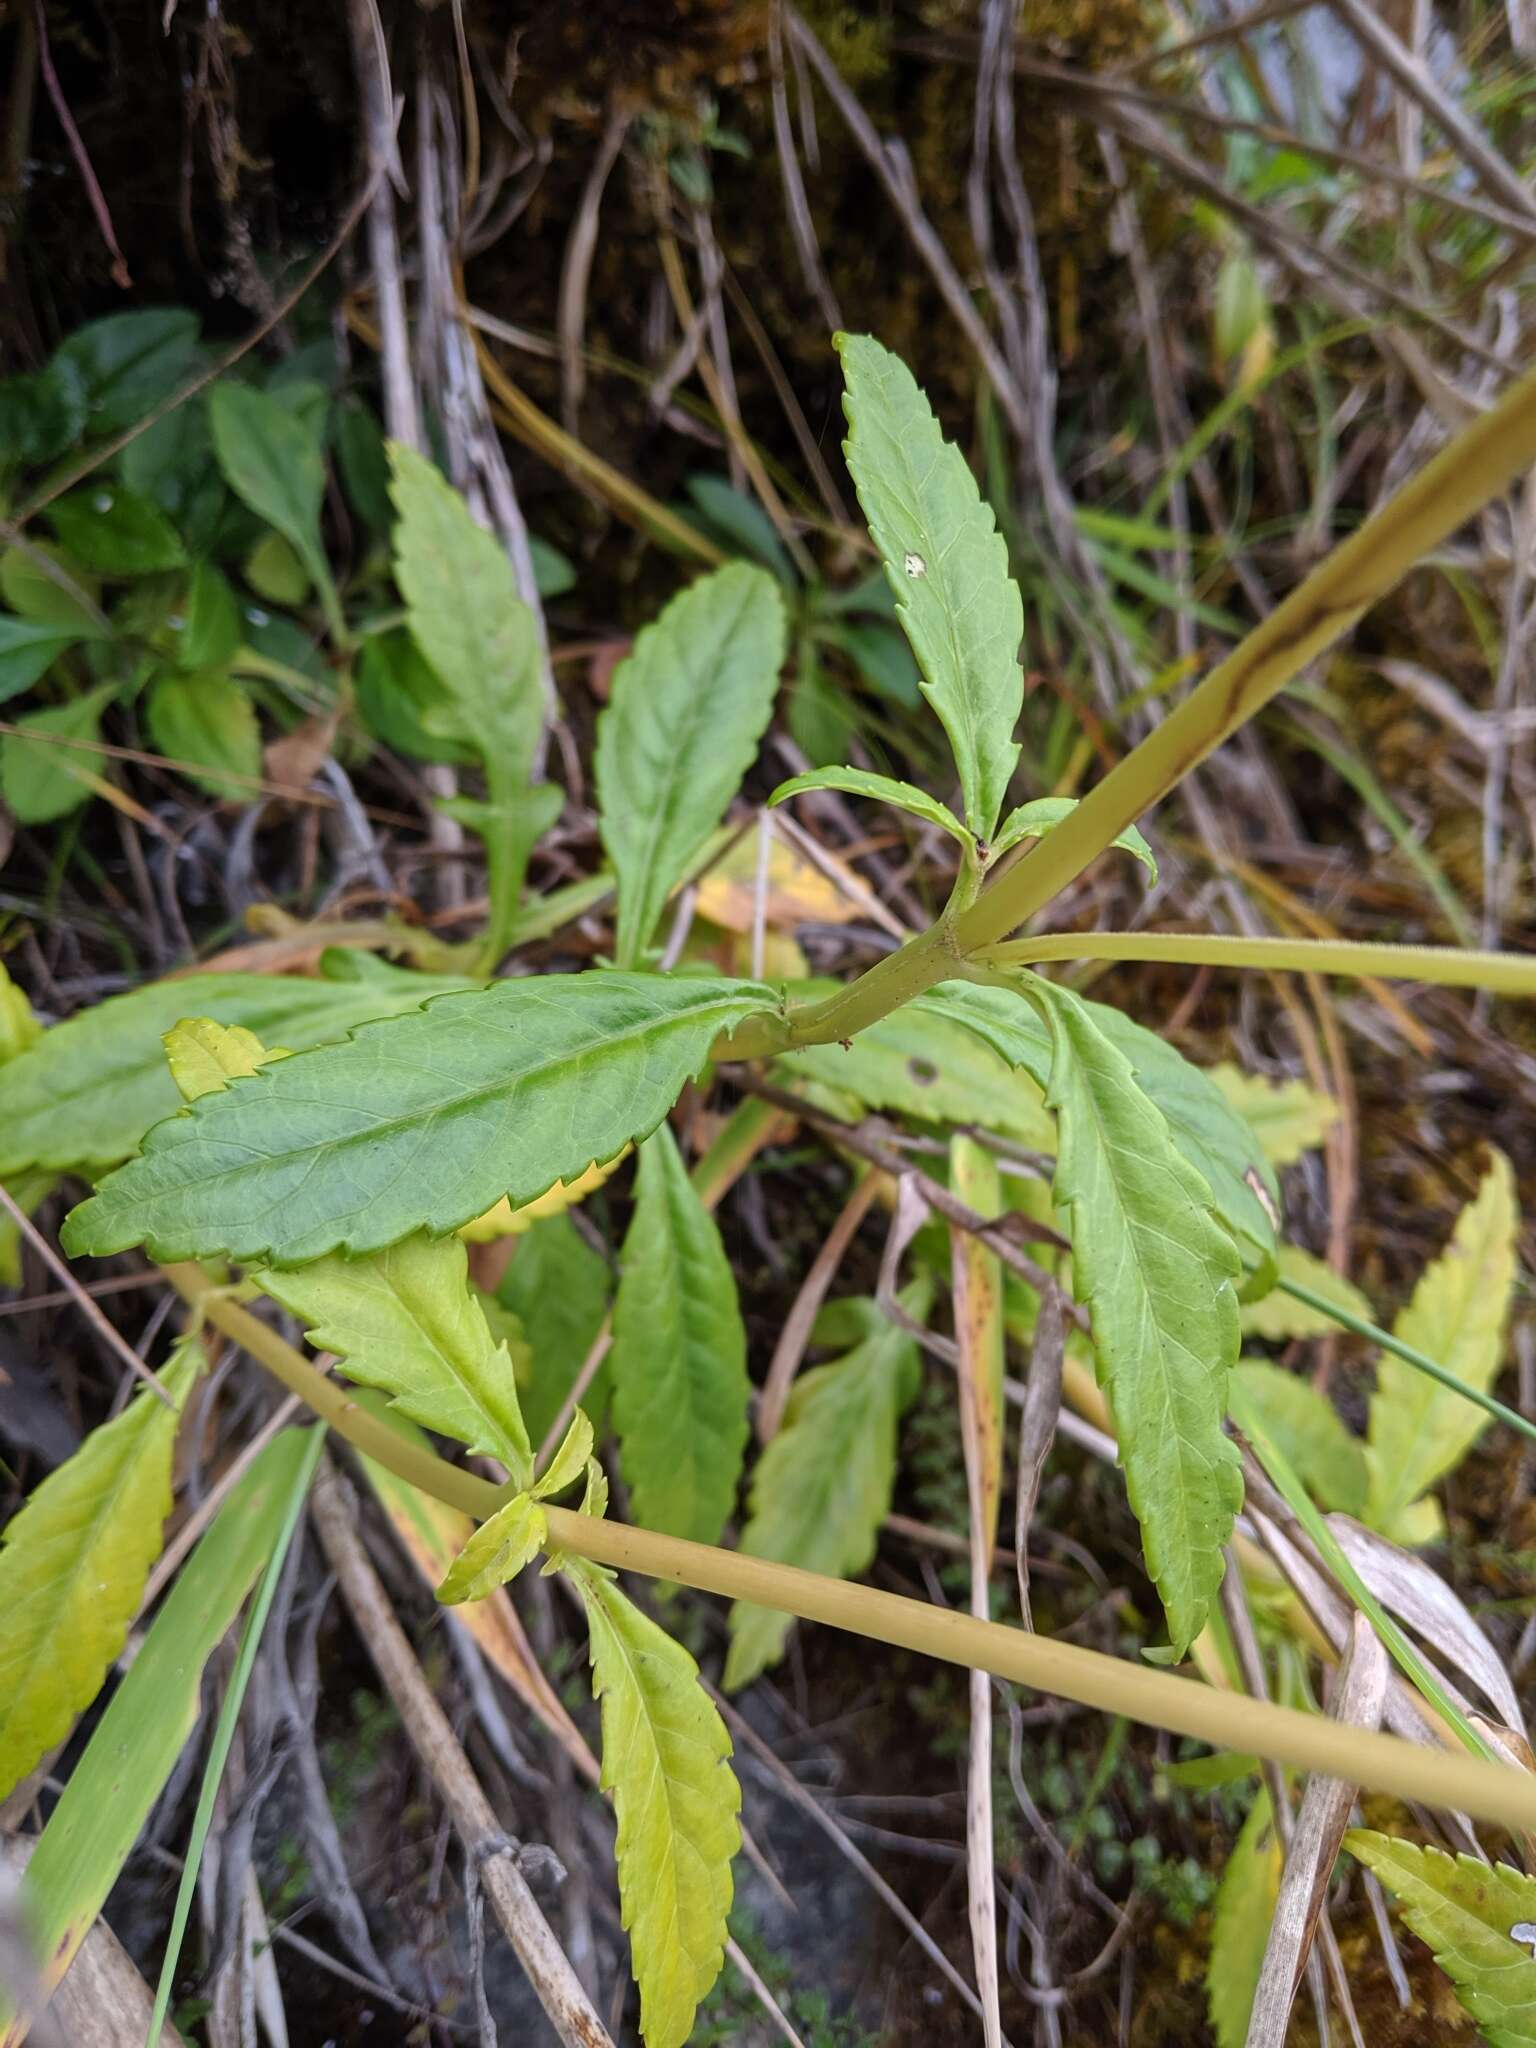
(1157, 1272)
(28, 649)
(1287, 1117)
(405, 1321)
(112, 531)
(85, 1094)
(497, 1552)
(1034, 820)
(1279, 1317)
(1476, 1917)
(1306, 1426)
(425, 1120)
(465, 614)
(274, 461)
(679, 1358)
(947, 565)
(44, 778)
(207, 725)
(102, 1810)
(676, 1797)
(1418, 1429)
(1211, 1136)
(823, 1485)
(558, 1289)
(73, 1566)
(880, 789)
(1245, 1909)
(688, 707)
(128, 363)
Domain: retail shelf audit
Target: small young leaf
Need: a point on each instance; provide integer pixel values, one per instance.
(665, 1763)
(569, 1462)
(1157, 1273)
(74, 1563)
(112, 531)
(43, 779)
(405, 1321)
(823, 1485)
(275, 464)
(497, 1552)
(205, 1057)
(1306, 1426)
(1287, 1117)
(84, 1096)
(274, 570)
(1419, 1430)
(129, 362)
(20, 1028)
(41, 415)
(1476, 1917)
(207, 725)
(1240, 1924)
(881, 789)
(679, 1357)
(947, 565)
(1034, 820)
(1279, 1317)
(741, 523)
(44, 599)
(558, 1289)
(688, 707)
(28, 649)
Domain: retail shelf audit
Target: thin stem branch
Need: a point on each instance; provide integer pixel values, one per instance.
(1510, 974)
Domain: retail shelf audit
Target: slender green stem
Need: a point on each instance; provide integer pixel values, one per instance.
(1162, 1699)
(1509, 974)
(1419, 1360)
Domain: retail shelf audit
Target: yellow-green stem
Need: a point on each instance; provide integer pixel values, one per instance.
(1384, 1763)
(1506, 974)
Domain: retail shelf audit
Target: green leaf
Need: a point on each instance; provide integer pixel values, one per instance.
(741, 523)
(1419, 1430)
(404, 1321)
(41, 415)
(20, 1028)
(1287, 1117)
(402, 701)
(274, 570)
(28, 649)
(1156, 1271)
(498, 1091)
(881, 656)
(1240, 1923)
(34, 594)
(465, 615)
(557, 1287)
(208, 625)
(665, 1754)
(947, 565)
(41, 780)
(1306, 1426)
(922, 1061)
(128, 363)
(497, 1552)
(688, 707)
(1212, 1137)
(679, 1357)
(823, 1486)
(1034, 820)
(207, 725)
(554, 573)
(101, 1812)
(881, 789)
(363, 461)
(73, 1567)
(1279, 1317)
(570, 1462)
(112, 531)
(85, 1094)
(1470, 1914)
(274, 462)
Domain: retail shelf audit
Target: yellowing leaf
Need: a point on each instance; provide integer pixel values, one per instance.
(1278, 1317)
(822, 1487)
(73, 1567)
(205, 1057)
(1245, 1909)
(1156, 1271)
(505, 1221)
(797, 893)
(1477, 1917)
(19, 1028)
(1287, 1117)
(497, 1552)
(676, 1797)
(1419, 1430)
(679, 1357)
(405, 1321)
(977, 1280)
